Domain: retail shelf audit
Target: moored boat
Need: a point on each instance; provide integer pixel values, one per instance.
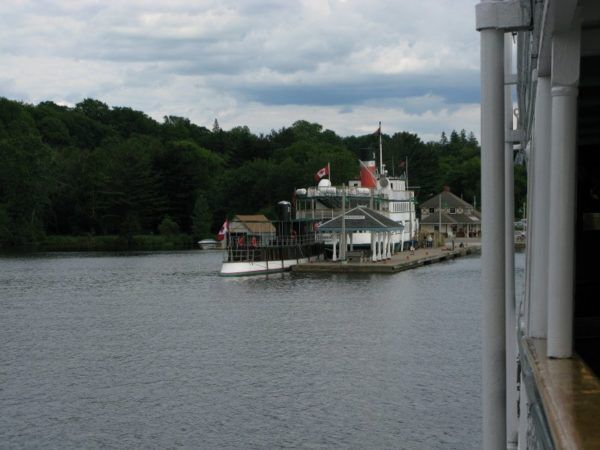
(257, 246)
(208, 244)
(386, 194)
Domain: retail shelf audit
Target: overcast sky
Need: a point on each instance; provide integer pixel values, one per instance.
(346, 64)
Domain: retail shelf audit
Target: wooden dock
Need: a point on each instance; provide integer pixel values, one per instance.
(397, 263)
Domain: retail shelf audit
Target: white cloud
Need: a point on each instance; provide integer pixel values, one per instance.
(264, 63)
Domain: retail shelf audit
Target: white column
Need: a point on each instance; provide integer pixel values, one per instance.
(492, 239)
(562, 222)
(537, 230)
(373, 247)
(561, 252)
(386, 246)
(334, 239)
(512, 421)
(351, 242)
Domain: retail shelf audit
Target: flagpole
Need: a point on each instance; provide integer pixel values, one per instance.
(410, 206)
(380, 153)
(329, 172)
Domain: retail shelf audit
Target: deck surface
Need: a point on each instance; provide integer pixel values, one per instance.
(397, 263)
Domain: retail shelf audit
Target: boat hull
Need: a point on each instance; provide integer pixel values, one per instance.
(246, 268)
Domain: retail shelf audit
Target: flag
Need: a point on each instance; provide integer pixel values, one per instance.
(402, 164)
(378, 130)
(324, 172)
(223, 231)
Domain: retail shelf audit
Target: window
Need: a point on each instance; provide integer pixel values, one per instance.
(431, 210)
(452, 210)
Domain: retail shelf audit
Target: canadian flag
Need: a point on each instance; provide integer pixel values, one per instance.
(324, 172)
(223, 231)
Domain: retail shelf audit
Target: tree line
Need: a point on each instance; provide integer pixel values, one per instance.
(92, 169)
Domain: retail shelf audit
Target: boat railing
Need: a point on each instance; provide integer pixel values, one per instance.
(352, 191)
(251, 248)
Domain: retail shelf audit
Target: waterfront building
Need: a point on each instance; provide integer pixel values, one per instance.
(456, 217)
(540, 94)
(343, 230)
(245, 227)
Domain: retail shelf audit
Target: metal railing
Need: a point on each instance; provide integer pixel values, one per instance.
(351, 191)
(252, 248)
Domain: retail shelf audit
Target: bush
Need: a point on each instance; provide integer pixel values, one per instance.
(168, 227)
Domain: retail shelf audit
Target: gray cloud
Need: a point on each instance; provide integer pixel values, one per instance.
(234, 59)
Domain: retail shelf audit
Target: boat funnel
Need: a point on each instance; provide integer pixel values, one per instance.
(368, 179)
(284, 213)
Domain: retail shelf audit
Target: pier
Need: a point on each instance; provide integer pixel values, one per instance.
(397, 263)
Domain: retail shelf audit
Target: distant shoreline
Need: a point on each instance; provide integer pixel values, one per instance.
(143, 242)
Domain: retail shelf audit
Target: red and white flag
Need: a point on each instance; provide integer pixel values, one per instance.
(324, 172)
(223, 231)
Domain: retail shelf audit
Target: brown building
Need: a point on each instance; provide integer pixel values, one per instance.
(457, 217)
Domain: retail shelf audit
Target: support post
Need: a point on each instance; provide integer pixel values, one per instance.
(512, 422)
(334, 239)
(373, 247)
(343, 234)
(561, 253)
(538, 227)
(493, 258)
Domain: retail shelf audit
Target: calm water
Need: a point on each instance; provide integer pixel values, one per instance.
(157, 351)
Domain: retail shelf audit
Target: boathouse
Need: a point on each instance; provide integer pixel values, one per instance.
(455, 216)
(243, 228)
(345, 228)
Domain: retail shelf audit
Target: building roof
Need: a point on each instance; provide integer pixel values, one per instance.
(434, 219)
(449, 200)
(255, 223)
(361, 218)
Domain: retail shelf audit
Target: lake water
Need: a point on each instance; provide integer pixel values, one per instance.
(156, 351)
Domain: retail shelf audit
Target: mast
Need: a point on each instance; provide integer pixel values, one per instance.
(380, 153)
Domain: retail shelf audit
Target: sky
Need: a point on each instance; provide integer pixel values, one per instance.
(346, 64)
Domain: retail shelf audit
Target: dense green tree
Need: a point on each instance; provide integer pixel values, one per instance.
(25, 186)
(79, 176)
(130, 195)
(183, 169)
(168, 226)
(93, 169)
(201, 217)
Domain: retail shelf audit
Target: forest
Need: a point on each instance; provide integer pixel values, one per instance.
(96, 170)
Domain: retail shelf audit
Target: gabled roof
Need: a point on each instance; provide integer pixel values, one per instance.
(434, 219)
(361, 218)
(449, 200)
(255, 223)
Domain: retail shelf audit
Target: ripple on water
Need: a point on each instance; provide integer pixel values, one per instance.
(155, 350)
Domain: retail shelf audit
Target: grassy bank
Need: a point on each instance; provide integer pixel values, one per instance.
(115, 243)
